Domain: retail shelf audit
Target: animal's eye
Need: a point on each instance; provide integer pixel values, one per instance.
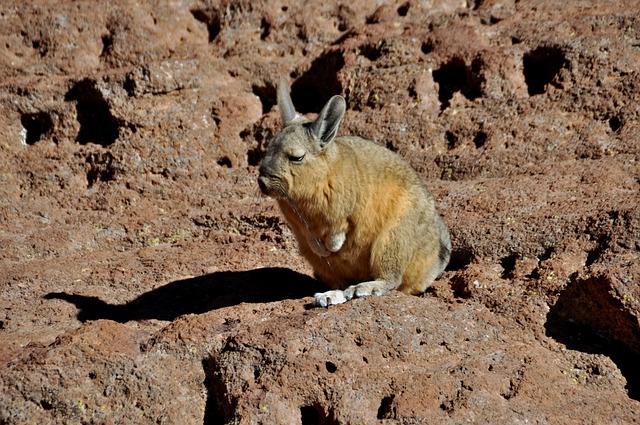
(296, 158)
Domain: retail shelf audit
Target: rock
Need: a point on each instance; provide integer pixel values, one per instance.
(401, 358)
(144, 279)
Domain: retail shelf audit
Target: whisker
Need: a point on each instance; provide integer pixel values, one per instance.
(304, 221)
(297, 210)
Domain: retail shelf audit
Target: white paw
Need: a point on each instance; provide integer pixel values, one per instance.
(325, 299)
(335, 242)
(364, 289)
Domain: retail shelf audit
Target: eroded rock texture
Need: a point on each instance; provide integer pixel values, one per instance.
(145, 280)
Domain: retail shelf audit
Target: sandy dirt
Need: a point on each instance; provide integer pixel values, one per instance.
(144, 279)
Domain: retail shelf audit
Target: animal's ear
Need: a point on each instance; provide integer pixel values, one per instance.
(325, 127)
(287, 111)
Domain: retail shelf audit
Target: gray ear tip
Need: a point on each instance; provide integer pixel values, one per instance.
(339, 100)
(283, 83)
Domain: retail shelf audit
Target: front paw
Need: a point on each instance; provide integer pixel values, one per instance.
(365, 289)
(334, 242)
(325, 299)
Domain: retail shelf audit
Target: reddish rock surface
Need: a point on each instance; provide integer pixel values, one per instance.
(145, 280)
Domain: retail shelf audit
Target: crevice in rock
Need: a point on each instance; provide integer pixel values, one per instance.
(219, 407)
(107, 44)
(265, 28)
(460, 258)
(386, 409)
(475, 4)
(594, 255)
(97, 124)
(541, 66)
(480, 139)
(267, 95)
(37, 125)
(257, 137)
(546, 254)
(457, 400)
(615, 123)
(100, 167)
(460, 287)
(254, 156)
(374, 51)
(610, 231)
(209, 17)
(508, 263)
(46, 405)
(314, 414)
(451, 139)
(588, 317)
(427, 47)
(515, 382)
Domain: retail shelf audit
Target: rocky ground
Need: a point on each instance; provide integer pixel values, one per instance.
(145, 280)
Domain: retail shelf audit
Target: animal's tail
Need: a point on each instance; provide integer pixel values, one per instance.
(445, 246)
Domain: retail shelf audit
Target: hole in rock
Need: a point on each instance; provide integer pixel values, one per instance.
(460, 258)
(224, 162)
(480, 139)
(254, 156)
(315, 415)
(374, 51)
(107, 43)
(331, 367)
(217, 409)
(615, 123)
(210, 18)
(541, 66)
(508, 264)
(315, 86)
(265, 29)
(594, 255)
(97, 125)
(267, 95)
(386, 409)
(37, 125)
(101, 167)
(588, 317)
(309, 415)
(403, 9)
(427, 47)
(456, 76)
(451, 138)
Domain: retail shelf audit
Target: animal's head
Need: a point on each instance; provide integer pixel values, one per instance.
(299, 156)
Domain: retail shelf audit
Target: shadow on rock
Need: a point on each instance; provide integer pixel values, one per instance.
(198, 295)
(588, 318)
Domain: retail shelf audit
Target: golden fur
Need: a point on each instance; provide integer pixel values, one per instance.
(361, 215)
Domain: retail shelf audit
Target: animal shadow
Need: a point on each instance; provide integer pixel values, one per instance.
(198, 295)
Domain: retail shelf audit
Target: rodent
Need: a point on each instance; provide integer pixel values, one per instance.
(361, 215)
